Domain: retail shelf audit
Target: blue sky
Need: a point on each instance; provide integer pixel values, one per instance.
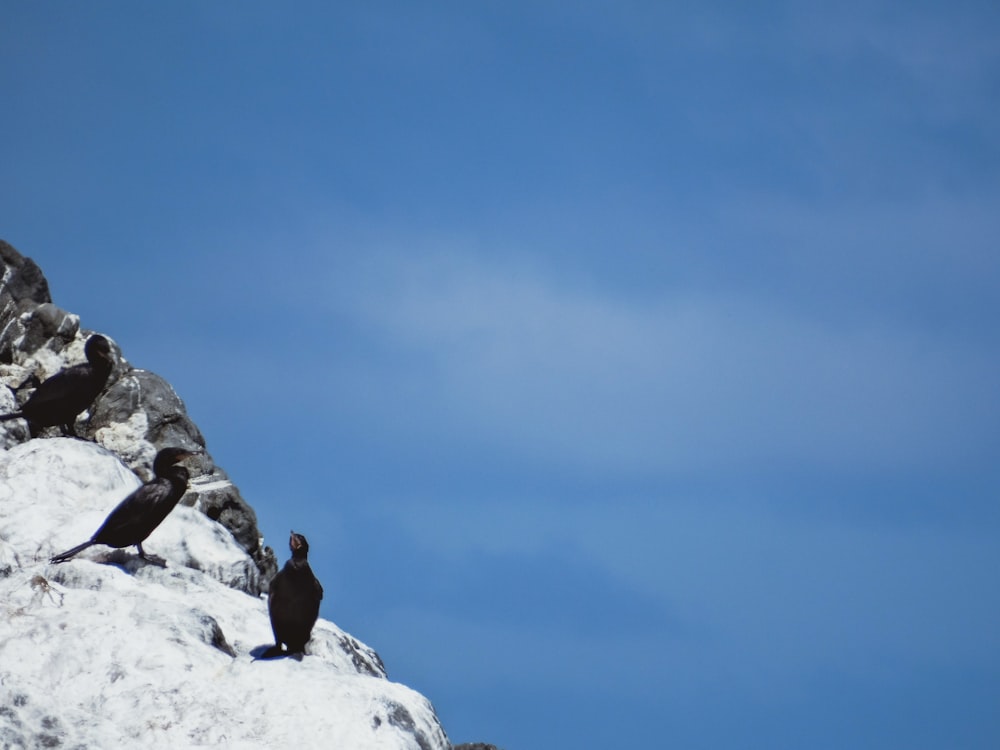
(632, 368)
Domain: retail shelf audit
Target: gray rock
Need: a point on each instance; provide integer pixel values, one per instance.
(22, 287)
(399, 717)
(137, 414)
(23, 290)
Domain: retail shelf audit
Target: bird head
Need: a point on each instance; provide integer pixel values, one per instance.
(298, 545)
(98, 348)
(169, 457)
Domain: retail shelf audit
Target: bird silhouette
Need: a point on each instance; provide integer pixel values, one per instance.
(135, 517)
(59, 400)
(293, 601)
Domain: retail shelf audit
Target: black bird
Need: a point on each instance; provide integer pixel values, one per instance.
(293, 601)
(137, 515)
(61, 398)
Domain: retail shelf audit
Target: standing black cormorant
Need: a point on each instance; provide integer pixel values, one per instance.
(60, 399)
(137, 515)
(293, 601)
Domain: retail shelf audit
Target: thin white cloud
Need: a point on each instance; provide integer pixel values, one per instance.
(699, 381)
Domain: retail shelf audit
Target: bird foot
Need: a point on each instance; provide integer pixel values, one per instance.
(154, 560)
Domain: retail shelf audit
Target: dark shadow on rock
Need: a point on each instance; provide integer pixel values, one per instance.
(213, 636)
(268, 652)
(130, 562)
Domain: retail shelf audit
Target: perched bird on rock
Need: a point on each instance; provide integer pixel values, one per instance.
(137, 515)
(60, 399)
(293, 601)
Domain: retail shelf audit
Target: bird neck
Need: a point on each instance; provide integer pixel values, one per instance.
(102, 366)
(100, 362)
(177, 476)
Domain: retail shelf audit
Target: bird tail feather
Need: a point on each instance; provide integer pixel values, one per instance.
(64, 556)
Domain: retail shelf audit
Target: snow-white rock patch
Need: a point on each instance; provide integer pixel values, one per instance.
(107, 650)
(127, 439)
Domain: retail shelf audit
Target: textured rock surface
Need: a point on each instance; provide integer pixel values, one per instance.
(109, 651)
(137, 414)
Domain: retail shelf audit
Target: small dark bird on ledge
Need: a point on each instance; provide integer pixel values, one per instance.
(293, 601)
(59, 400)
(137, 515)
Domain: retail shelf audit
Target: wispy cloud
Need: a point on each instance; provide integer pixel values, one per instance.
(697, 381)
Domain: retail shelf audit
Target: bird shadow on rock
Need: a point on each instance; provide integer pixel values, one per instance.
(268, 652)
(132, 563)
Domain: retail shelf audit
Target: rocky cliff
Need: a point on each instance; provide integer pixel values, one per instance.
(137, 414)
(107, 649)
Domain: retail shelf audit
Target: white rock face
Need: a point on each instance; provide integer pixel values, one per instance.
(108, 651)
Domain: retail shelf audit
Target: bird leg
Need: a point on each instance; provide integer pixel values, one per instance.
(151, 559)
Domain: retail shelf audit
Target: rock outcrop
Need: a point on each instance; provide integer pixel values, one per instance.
(137, 414)
(110, 651)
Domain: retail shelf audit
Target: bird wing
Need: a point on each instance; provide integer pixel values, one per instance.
(135, 517)
(73, 381)
(275, 586)
(319, 588)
